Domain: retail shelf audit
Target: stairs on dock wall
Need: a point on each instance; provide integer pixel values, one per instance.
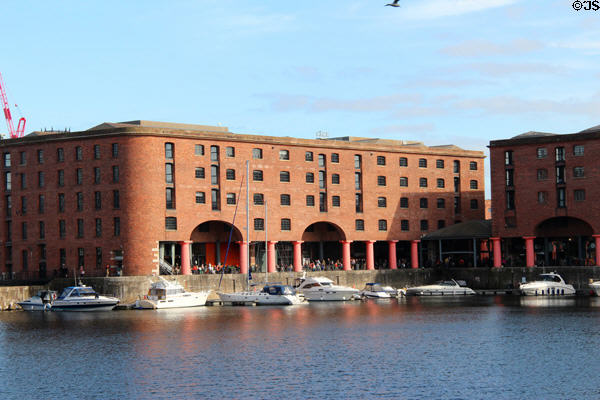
(165, 268)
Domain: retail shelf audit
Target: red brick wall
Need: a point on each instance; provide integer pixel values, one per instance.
(529, 213)
(142, 186)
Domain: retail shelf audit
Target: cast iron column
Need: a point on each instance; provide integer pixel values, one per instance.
(530, 255)
(298, 256)
(414, 253)
(370, 255)
(185, 257)
(392, 254)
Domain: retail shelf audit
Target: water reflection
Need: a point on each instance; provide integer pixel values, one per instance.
(527, 301)
(408, 348)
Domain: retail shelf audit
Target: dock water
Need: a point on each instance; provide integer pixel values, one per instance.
(486, 281)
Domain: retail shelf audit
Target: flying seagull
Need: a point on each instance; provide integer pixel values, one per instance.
(394, 4)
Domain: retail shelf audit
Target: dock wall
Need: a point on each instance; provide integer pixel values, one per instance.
(129, 288)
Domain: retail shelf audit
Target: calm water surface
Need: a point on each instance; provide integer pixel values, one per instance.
(470, 348)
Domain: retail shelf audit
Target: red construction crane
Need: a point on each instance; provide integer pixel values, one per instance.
(11, 128)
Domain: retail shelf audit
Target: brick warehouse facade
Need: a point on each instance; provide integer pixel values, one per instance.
(143, 195)
(544, 192)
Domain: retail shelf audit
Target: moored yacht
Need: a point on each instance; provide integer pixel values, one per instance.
(170, 294)
(42, 301)
(271, 294)
(595, 286)
(83, 298)
(441, 288)
(550, 284)
(377, 291)
(318, 288)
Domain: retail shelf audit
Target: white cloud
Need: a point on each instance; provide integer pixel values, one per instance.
(413, 129)
(255, 23)
(473, 48)
(379, 103)
(587, 45)
(450, 8)
(506, 69)
(443, 83)
(286, 102)
(517, 106)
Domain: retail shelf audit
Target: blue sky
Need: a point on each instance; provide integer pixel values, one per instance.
(440, 71)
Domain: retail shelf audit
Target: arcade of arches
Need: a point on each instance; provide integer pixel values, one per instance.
(556, 241)
(220, 243)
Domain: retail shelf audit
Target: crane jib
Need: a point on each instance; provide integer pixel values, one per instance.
(8, 116)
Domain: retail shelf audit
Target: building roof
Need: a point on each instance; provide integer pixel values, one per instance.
(163, 125)
(532, 134)
(546, 137)
(219, 133)
(477, 228)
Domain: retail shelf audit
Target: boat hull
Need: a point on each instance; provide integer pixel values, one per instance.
(439, 292)
(259, 298)
(376, 295)
(34, 306)
(539, 290)
(595, 288)
(197, 299)
(106, 305)
(327, 295)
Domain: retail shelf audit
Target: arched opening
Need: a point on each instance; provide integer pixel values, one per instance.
(211, 246)
(564, 241)
(214, 243)
(322, 243)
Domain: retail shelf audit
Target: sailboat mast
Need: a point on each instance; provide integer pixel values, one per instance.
(266, 244)
(247, 224)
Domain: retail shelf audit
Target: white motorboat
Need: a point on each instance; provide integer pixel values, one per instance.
(595, 286)
(42, 301)
(550, 284)
(170, 294)
(271, 294)
(377, 291)
(441, 288)
(83, 298)
(318, 288)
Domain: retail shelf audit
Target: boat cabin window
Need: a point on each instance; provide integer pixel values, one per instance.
(159, 293)
(550, 278)
(446, 283)
(85, 291)
(311, 285)
(287, 290)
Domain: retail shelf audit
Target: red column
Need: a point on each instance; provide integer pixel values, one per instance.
(346, 254)
(392, 254)
(414, 253)
(298, 256)
(530, 255)
(243, 257)
(271, 256)
(185, 257)
(496, 248)
(597, 248)
(370, 254)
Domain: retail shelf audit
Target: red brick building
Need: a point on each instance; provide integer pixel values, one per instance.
(143, 195)
(544, 192)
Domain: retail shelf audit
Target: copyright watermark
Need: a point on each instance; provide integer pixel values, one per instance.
(586, 5)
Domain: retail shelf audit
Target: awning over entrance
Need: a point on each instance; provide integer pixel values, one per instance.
(475, 229)
(465, 243)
